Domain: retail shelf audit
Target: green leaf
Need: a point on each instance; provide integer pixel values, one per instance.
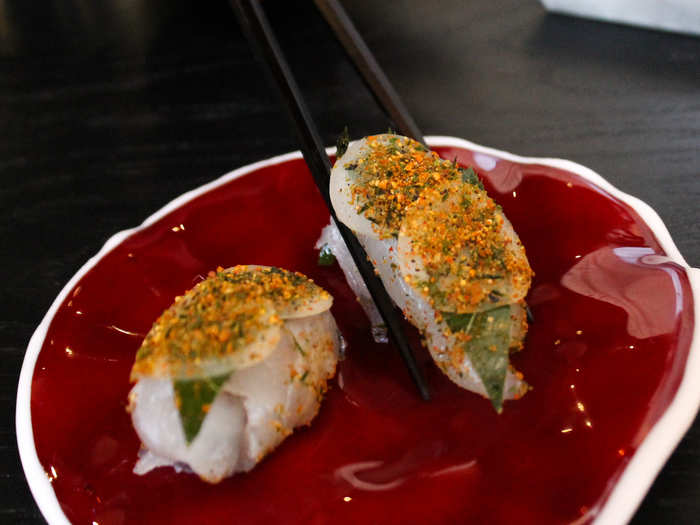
(325, 256)
(458, 322)
(488, 347)
(193, 398)
(341, 145)
(470, 177)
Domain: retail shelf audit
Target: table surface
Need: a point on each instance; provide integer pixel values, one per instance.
(108, 111)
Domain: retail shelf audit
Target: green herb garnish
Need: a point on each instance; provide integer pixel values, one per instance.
(298, 347)
(488, 347)
(470, 177)
(325, 256)
(194, 398)
(341, 145)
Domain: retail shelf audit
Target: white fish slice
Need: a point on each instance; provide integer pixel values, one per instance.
(331, 238)
(423, 316)
(395, 260)
(255, 410)
(213, 455)
(309, 298)
(343, 178)
(442, 207)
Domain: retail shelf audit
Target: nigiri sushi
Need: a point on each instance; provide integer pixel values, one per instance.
(446, 253)
(230, 369)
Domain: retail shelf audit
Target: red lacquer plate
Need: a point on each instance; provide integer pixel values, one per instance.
(613, 358)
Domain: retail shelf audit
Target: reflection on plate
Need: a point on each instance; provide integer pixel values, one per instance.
(611, 358)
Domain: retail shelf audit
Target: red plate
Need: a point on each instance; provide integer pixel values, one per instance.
(605, 357)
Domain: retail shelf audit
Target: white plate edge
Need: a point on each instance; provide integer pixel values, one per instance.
(637, 476)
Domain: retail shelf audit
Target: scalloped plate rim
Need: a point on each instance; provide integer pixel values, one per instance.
(629, 489)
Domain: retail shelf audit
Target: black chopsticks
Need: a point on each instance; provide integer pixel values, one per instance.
(364, 61)
(261, 37)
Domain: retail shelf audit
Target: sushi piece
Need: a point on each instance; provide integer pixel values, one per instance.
(332, 248)
(230, 369)
(446, 253)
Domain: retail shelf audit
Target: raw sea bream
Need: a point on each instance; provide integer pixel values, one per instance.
(447, 255)
(231, 369)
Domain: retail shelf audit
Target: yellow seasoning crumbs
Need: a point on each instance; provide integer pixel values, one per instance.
(219, 318)
(290, 291)
(457, 229)
(392, 175)
(458, 234)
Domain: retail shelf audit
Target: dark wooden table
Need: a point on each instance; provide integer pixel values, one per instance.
(110, 109)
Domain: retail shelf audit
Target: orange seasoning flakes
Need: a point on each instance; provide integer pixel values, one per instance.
(214, 319)
(391, 175)
(220, 318)
(290, 291)
(468, 259)
(471, 258)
